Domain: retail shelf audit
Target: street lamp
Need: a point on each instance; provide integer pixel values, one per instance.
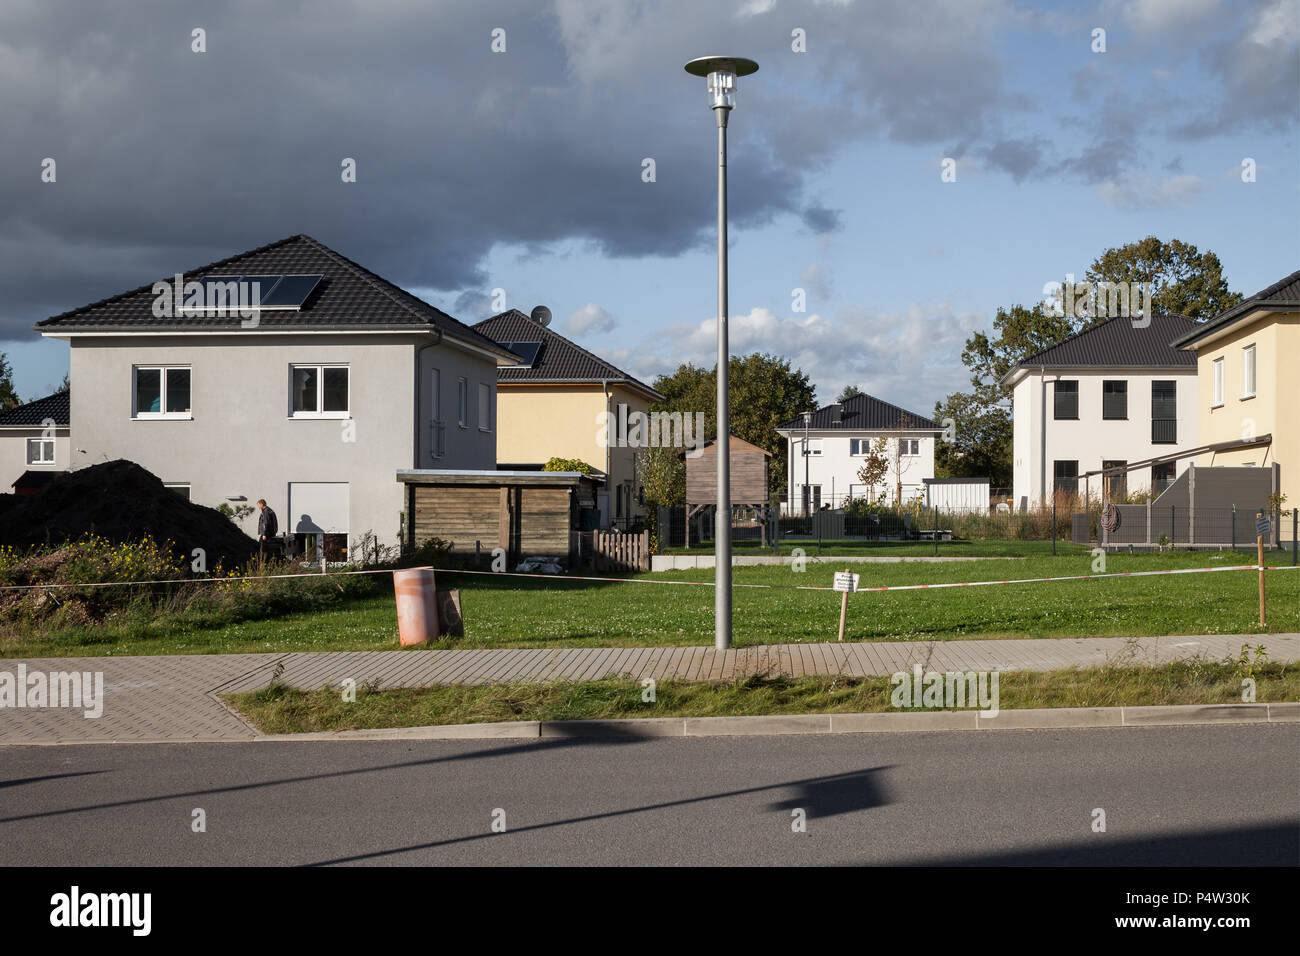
(722, 72)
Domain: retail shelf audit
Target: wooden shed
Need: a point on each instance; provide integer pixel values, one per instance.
(748, 477)
(525, 512)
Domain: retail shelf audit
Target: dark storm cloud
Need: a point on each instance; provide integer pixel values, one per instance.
(169, 158)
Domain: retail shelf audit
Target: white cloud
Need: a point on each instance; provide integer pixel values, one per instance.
(1150, 16)
(1143, 191)
(909, 358)
(590, 318)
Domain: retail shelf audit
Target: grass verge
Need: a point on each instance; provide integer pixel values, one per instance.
(278, 709)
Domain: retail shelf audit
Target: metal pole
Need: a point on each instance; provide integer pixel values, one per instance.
(722, 545)
(1053, 524)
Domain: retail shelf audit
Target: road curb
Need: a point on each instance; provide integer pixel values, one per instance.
(1048, 718)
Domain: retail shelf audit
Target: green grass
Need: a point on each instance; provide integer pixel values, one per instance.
(859, 546)
(280, 710)
(523, 612)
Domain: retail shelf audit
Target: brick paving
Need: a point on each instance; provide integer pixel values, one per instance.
(174, 698)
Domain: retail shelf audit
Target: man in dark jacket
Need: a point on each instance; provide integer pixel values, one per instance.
(267, 526)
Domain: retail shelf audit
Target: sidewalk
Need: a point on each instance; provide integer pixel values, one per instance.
(175, 698)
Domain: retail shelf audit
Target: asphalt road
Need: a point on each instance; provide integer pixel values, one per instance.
(1225, 795)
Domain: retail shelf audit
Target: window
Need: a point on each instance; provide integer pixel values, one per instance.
(484, 408)
(1248, 372)
(814, 446)
(1066, 398)
(40, 451)
(462, 402)
(1218, 383)
(437, 432)
(1162, 476)
(1114, 488)
(182, 488)
(1067, 477)
(859, 446)
(909, 446)
(1164, 413)
(318, 391)
(812, 498)
(161, 391)
(1114, 400)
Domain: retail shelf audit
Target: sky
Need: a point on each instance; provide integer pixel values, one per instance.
(504, 146)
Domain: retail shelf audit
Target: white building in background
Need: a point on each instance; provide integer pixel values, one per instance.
(1112, 395)
(826, 448)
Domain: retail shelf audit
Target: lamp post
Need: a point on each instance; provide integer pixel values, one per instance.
(722, 72)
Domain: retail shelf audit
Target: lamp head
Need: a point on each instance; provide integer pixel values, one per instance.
(721, 72)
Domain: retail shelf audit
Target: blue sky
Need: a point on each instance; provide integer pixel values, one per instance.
(522, 170)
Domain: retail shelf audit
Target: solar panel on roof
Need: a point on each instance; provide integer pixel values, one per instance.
(266, 285)
(291, 292)
(526, 351)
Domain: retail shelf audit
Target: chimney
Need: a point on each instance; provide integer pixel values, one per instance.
(837, 412)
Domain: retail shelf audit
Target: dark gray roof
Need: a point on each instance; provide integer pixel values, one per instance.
(36, 479)
(1117, 343)
(349, 296)
(1284, 293)
(864, 412)
(54, 406)
(559, 360)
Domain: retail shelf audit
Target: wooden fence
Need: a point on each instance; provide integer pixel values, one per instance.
(620, 550)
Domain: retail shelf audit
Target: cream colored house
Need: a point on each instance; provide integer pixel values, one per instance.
(1248, 370)
(565, 402)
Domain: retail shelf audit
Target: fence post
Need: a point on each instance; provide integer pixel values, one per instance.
(1234, 527)
(936, 529)
(1053, 525)
(1295, 513)
(1173, 524)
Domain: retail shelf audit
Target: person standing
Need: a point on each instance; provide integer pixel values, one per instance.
(267, 526)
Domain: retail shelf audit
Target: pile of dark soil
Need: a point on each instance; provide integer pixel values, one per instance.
(121, 501)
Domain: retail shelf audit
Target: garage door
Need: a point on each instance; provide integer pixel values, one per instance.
(317, 507)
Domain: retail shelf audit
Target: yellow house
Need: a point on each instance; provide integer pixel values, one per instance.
(565, 402)
(1248, 383)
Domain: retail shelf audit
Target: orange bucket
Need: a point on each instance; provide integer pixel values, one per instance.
(417, 606)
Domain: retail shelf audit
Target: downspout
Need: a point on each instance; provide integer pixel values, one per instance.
(1042, 443)
(609, 444)
(419, 393)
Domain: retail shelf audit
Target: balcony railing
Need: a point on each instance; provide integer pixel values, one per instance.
(1164, 431)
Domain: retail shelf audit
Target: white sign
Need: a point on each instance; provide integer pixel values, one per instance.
(844, 581)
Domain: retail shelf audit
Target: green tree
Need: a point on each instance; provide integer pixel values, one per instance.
(764, 392)
(1184, 280)
(8, 397)
(847, 392)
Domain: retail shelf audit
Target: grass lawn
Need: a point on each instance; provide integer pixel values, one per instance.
(527, 612)
(861, 546)
(280, 710)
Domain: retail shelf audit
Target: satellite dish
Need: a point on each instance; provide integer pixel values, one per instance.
(541, 315)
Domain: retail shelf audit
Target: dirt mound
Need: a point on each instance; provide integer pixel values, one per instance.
(121, 501)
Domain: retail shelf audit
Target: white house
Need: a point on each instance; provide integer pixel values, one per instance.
(1115, 394)
(34, 443)
(826, 448)
(336, 381)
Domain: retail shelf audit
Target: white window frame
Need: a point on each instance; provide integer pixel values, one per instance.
(162, 370)
(40, 444)
(180, 484)
(320, 368)
(462, 402)
(815, 447)
(1217, 399)
(907, 443)
(1249, 368)
(484, 407)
